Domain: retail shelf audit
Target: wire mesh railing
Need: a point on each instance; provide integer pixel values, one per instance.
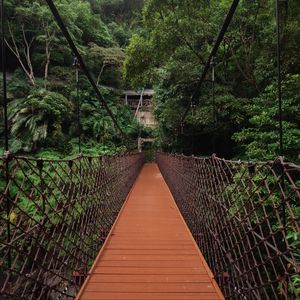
(55, 215)
(245, 217)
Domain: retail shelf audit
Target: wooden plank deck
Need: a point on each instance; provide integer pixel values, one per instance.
(150, 253)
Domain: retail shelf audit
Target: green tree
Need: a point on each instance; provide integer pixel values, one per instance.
(173, 47)
(36, 117)
(102, 58)
(34, 36)
(260, 139)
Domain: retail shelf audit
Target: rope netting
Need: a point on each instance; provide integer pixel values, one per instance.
(55, 215)
(245, 218)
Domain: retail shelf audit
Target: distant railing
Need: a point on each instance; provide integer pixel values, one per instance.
(245, 217)
(55, 215)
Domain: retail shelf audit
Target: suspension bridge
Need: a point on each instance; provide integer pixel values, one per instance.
(116, 227)
(231, 232)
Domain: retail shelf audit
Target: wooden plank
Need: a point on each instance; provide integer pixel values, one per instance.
(153, 246)
(149, 270)
(153, 287)
(149, 296)
(150, 264)
(149, 278)
(150, 253)
(122, 257)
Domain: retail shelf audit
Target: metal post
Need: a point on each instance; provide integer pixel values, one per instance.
(213, 65)
(279, 77)
(7, 156)
(192, 129)
(76, 65)
(279, 96)
(3, 46)
(40, 165)
(79, 111)
(139, 136)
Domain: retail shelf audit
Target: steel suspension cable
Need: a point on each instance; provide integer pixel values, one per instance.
(81, 62)
(76, 66)
(6, 134)
(212, 66)
(213, 53)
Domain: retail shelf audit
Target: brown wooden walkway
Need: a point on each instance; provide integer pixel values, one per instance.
(150, 253)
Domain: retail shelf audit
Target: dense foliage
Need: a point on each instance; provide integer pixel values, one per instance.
(43, 103)
(242, 121)
(160, 44)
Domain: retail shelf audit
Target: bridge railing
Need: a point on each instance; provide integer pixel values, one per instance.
(54, 217)
(245, 217)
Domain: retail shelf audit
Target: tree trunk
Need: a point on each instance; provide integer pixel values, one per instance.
(48, 55)
(25, 65)
(101, 71)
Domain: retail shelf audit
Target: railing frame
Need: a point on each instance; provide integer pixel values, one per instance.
(60, 212)
(245, 217)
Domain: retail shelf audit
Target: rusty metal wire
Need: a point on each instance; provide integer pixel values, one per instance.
(245, 217)
(60, 213)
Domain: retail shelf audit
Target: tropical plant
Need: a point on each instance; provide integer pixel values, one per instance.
(36, 117)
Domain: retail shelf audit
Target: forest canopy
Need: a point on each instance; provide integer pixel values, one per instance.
(162, 45)
(242, 120)
(43, 103)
